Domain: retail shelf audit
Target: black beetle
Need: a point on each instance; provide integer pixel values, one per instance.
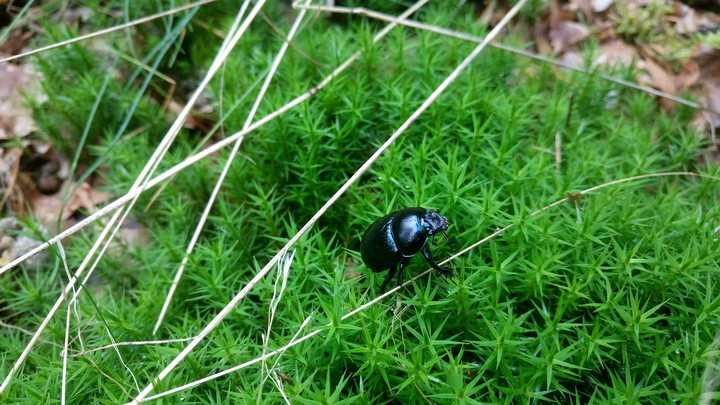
(393, 239)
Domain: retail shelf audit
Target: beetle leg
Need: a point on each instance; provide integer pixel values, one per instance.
(435, 242)
(399, 277)
(445, 271)
(445, 235)
(389, 276)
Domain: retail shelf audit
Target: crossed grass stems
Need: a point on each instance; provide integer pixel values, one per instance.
(284, 257)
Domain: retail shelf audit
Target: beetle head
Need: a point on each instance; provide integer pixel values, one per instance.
(434, 222)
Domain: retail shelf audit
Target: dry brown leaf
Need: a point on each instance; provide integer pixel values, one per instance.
(574, 198)
(708, 59)
(15, 119)
(656, 51)
(540, 34)
(15, 42)
(134, 233)
(712, 101)
(9, 166)
(561, 11)
(565, 34)
(616, 53)
(574, 59)
(687, 20)
(47, 208)
(194, 120)
(486, 14)
(660, 77)
(702, 73)
(689, 74)
(604, 31)
(583, 6)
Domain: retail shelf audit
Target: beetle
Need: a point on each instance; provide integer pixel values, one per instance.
(392, 240)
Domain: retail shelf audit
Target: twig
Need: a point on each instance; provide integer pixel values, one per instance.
(558, 151)
(27, 332)
(63, 387)
(136, 343)
(63, 259)
(558, 134)
(278, 383)
(282, 277)
(13, 156)
(97, 367)
(710, 376)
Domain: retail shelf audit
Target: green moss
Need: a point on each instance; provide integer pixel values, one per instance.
(611, 300)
